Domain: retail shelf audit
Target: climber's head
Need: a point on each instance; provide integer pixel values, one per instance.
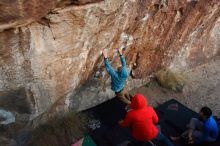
(205, 113)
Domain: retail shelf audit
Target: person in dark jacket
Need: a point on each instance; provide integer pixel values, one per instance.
(118, 77)
(143, 119)
(204, 129)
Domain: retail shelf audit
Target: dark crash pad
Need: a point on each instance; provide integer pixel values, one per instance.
(104, 129)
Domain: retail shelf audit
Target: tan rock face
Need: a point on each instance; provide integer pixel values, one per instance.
(56, 58)
(16, 13)
(20, 12)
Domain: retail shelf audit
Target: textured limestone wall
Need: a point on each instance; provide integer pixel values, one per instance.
(53, 61)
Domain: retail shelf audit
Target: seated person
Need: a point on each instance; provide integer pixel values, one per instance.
(200, 130)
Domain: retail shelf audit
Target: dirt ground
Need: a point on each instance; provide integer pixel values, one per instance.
(202, 89)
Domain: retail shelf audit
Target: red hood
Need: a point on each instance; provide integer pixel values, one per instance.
(138, 102)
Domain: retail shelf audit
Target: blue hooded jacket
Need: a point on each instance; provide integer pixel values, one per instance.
(117, 77)
(210, 128)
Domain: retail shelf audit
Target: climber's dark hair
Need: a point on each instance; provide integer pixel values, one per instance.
(206, 111)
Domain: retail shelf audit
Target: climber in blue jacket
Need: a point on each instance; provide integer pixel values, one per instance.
(118, 77)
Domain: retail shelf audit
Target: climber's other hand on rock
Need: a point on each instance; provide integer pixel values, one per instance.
(120, 50)
(105, 53)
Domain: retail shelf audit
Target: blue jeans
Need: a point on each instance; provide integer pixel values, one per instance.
(162, 137)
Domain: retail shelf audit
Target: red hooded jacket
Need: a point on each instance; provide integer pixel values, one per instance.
(142, 119)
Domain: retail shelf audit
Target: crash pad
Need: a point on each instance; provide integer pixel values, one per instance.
(105, 131)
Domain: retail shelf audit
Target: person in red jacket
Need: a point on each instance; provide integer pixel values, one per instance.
(143, 119)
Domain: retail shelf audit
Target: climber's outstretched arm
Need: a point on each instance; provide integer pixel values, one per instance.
(108, 66)
(123, 61)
